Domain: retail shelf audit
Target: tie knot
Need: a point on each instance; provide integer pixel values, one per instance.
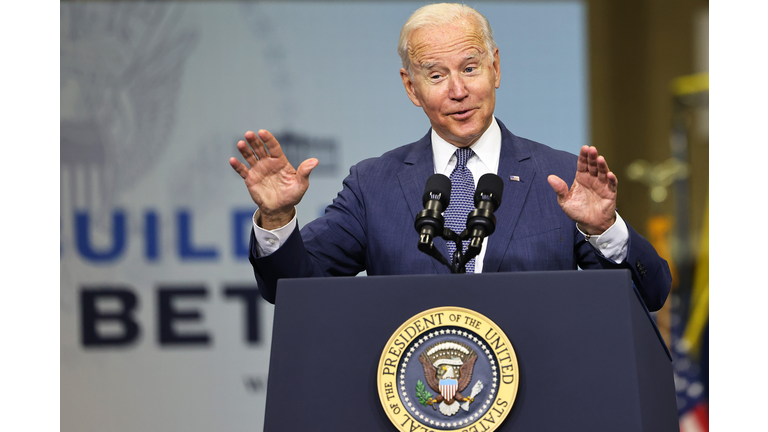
(462, 156)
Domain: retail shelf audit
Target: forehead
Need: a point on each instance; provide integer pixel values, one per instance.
(435, 44)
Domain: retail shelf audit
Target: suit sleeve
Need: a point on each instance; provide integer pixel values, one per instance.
(650, 273)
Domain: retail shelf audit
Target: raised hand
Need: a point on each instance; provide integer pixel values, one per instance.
(275, 186)
(591, 201)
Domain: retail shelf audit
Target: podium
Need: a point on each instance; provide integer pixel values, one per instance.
(590, 357)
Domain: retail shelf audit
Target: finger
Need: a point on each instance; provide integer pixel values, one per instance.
(605, 174)
(592, 161)
(583, 164)
(604, 163)
(271, 143)
(256, 144)
(602, 170)
(306, 168)
(247, 153)
(238, 167)
(559, 186)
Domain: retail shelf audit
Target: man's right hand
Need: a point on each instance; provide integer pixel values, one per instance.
(275, 186)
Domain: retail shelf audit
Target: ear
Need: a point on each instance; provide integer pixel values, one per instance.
(497, 67)
(409, 87)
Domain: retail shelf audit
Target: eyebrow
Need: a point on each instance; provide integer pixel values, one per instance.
(430, 65)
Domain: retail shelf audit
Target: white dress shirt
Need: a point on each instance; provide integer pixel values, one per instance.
(612, 244)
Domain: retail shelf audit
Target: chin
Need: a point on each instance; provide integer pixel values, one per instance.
(468, 136)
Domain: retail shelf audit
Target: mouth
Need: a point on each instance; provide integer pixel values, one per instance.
(461, 115)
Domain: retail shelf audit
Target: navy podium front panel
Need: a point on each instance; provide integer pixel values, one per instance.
(590, 358)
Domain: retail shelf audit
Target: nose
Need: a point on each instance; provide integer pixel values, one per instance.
(457, 90)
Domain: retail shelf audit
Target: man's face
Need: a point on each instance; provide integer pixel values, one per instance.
(454, 80)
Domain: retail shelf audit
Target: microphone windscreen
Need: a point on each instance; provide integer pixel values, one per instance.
(438, 187)
(492, 186)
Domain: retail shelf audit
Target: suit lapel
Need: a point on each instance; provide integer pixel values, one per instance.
(514, 160)
(419, 165)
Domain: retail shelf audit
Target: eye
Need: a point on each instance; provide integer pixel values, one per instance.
(469, 69)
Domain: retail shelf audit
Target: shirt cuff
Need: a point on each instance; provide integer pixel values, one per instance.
(613, 243)
(268, 241)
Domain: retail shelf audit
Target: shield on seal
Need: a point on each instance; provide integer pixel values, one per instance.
(448, 388)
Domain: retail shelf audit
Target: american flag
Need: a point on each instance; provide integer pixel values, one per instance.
(690, 342)
(692, 404)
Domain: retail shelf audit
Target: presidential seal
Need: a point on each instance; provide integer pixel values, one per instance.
(448, 368)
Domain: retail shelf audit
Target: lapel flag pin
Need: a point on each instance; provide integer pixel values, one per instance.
(514, 178)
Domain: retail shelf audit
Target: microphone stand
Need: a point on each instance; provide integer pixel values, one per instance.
(459, 260)
(473, 250)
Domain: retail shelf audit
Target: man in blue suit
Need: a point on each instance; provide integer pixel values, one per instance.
(451, 70)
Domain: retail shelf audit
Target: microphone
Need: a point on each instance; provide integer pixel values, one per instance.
(481, 222)
(430, 221)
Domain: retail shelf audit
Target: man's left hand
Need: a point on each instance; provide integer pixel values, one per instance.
(591, 201)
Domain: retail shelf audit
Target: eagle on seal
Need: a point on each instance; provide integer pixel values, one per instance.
(448, 380)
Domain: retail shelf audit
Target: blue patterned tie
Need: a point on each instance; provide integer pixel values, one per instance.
(462, 201)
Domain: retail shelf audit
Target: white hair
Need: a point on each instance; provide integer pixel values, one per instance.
(439, 15)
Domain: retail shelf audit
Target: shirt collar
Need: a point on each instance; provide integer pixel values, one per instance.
(487, 148)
